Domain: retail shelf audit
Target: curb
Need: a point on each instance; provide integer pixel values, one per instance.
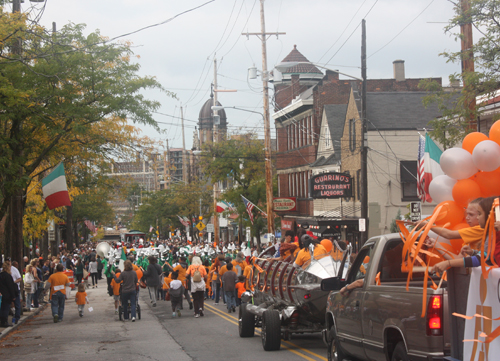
(23, 319)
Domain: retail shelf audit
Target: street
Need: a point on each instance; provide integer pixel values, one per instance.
(100, 335)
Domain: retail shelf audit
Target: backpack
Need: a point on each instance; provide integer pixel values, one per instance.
(197, 275)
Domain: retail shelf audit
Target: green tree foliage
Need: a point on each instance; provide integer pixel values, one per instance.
(55, 90)
(458, 106)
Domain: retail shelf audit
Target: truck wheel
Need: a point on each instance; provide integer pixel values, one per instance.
(271, 330)
(335, 353)
(399, 353)
(246, 322)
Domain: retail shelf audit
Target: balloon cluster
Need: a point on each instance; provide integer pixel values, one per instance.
(471, 172)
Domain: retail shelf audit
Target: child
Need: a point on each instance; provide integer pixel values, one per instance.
(240, 288)
(81, 298)
(176, 292)
(116, 290)
(166, 283)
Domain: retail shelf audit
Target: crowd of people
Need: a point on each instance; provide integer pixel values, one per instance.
(173, 270)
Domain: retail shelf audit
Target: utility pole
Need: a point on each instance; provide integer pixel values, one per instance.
(215, 136)
(468, 62)
(364, 148)
(184, 161)
(267, 128)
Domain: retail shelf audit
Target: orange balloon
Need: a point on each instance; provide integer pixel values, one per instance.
(472, 139)
(495, 132)
(489, 183)
(450, 213)
(327, 244)
(464, 191)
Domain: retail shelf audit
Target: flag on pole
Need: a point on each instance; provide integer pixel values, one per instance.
(186, 219)
(151, 229)
(90, 225)
(183, 221)
(55, 189)
(428, 166)
(249, 206)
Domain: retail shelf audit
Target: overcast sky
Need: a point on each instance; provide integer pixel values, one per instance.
(180, 53)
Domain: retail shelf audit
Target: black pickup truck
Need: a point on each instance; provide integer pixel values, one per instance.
(381, 320)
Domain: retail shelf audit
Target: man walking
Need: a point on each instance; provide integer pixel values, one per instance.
(229, 279)
(57, 283)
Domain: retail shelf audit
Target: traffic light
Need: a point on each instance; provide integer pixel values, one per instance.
(200, 218)
(200, 234)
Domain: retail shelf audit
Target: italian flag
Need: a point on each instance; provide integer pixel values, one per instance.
(223, 205)
(428, 166)
(55, 190)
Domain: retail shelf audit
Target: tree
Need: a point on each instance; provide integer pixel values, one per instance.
(52, 93)
(459, 107)
(241, 163)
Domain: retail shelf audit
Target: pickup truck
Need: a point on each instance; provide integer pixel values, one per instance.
(381, 320)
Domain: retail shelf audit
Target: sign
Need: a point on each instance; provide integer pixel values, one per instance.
(285, 204)
(210, 228)
(483, 300)
(200, 226)
(330, 185)
(415, 211)
(362, 225)
(286, 225)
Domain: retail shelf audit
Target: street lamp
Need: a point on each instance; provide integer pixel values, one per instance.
(364, 156)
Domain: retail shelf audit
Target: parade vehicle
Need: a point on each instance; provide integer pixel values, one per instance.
(376, 318)
(286, 300)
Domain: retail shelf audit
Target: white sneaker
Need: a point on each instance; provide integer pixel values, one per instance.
(133, 319)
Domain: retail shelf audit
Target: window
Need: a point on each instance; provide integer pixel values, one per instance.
(352, 134)
(408, 172)
(360, 267)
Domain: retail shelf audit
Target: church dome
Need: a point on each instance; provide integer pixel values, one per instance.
(205, 117)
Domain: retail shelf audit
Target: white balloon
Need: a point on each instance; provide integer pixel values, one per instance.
(457, 163)
(486, 155)
(441, 188)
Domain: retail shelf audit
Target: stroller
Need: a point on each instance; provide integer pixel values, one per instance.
(129, 308)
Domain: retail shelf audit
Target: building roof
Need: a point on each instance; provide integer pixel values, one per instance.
(297, 56)
(206, 112)
(335, 116)
(398, 111)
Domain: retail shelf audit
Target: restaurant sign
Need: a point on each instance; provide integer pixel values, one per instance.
(331, 185)
(285, 204)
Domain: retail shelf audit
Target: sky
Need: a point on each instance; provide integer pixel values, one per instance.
(180, 53)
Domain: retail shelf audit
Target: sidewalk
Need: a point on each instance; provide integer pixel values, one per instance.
(97, 334)
(26, 316)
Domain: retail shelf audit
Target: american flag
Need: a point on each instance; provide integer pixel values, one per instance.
(90, 225)
(249, 206)
(420, 168)
(184, 222)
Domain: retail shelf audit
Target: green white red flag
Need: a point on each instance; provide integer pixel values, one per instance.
(55, 189)
(428, 166)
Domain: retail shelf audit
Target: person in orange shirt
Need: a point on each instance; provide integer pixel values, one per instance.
(239, 264)
(166, 283)
(248, 274)
(57, 283)
(116, 290)
(303, 257)
(181, 269)
(81, 298)
(240, 288)
(198, 275)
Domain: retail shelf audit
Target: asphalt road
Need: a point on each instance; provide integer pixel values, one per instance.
(99, 335)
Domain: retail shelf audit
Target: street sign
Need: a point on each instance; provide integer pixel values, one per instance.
(200, 226)
(415, 211)
(210, 228)
(362, 225)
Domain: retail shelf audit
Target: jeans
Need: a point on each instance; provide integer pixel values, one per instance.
(152, 293)
(79, 278)
(17, 305)
(230, 299)
(94, 278)
(216, 291)
(125, 298)
(57, 304)
(29, 298)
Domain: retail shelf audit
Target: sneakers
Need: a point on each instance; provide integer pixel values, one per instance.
(133, 319)
(56, 318)
(81, 314)
(216, 303)
(14, 321)
(178, 313)
(191, 305)
(196, 315)
(201, 313)
(174, 314)
(154, 304)
(234, 309)
(116, 312)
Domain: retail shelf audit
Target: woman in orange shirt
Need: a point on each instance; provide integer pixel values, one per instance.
(304, 257)
(198, 275)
